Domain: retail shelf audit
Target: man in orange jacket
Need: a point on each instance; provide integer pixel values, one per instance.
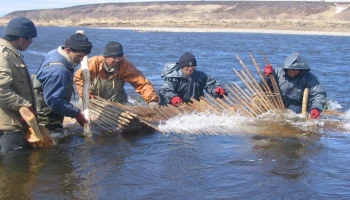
(109, 73)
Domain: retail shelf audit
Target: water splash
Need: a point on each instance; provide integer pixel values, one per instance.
(347, 120)
(37, 53)
(204, 122)
(272, 122)
(334, 105)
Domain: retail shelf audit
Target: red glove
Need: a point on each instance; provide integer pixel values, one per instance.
(91, 96)
(176, 100)
(268, 70)
(219, 91)
(81, 119)
(314, 113)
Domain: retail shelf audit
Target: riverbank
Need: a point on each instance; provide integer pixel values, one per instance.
(226, 30)
(142, 27)
(209, 16)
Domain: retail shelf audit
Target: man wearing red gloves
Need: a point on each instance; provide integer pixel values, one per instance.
(292, 79)
(182, 82)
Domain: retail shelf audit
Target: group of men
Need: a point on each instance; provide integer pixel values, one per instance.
(48, 95)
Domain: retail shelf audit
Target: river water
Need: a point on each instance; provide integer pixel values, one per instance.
(247, 158)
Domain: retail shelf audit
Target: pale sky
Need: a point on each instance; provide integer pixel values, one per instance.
(8, 6)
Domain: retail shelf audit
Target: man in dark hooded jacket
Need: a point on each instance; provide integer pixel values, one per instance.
(182, 82)
(292, 79)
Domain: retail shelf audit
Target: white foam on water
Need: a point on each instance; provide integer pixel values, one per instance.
(131, 100)
(347, 120)
(334, 105)
(203, 122)
(289, 120)
(269, 122)
(37, 53)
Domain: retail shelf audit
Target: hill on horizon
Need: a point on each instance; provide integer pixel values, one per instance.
(319, 16)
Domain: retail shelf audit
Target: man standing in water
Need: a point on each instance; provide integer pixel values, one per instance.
(182, 82)
(109, 74)
(16, 89)
(292, 79)
(54, 82)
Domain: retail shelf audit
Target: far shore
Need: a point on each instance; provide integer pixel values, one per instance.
(225, 30)
(270, 17)
(213, 30)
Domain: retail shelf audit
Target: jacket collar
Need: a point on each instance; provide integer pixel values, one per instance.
(9, 46)
(64, 54)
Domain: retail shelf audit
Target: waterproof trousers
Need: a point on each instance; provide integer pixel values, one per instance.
(12, 141)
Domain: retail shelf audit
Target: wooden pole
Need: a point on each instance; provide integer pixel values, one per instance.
(86, 91)
(304, 104)
(30, 118)
(266, 86)
(255, 85)
(275, 85)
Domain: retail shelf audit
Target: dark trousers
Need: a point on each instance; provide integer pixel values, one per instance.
(12, 141)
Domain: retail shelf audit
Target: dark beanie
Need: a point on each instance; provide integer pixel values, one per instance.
(78, 42)
(21, 27)
(187, 59)
(113, 49)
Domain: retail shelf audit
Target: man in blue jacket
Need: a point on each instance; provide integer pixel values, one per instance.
(182, 82)
(54, 82)
(292, 79)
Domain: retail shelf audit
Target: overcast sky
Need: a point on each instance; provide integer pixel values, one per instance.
(7, 6)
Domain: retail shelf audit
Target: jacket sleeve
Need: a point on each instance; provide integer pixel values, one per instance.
(78, 76)
(167, 90)
(141, 84)
(8, 98)
(210, 85)
(54, 89)
(317, 94)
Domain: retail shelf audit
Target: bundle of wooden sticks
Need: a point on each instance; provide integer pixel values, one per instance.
(251, 100)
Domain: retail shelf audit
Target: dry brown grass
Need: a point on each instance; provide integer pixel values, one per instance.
(303, 16)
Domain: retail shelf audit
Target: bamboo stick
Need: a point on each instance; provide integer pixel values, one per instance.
(116, 109)
(106, 111)
(255, 86)
(275, 85)
(266, 85)
(247, 100)
(232, 106)
(247, 86)
(304, 104)
(263, 99)
(242, 104)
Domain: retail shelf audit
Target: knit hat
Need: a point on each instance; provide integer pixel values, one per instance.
(21, 27)
(78, 42)
(113, 49)
(187, 59)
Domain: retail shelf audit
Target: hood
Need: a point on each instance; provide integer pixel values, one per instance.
(169, 68)
(295, 61)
